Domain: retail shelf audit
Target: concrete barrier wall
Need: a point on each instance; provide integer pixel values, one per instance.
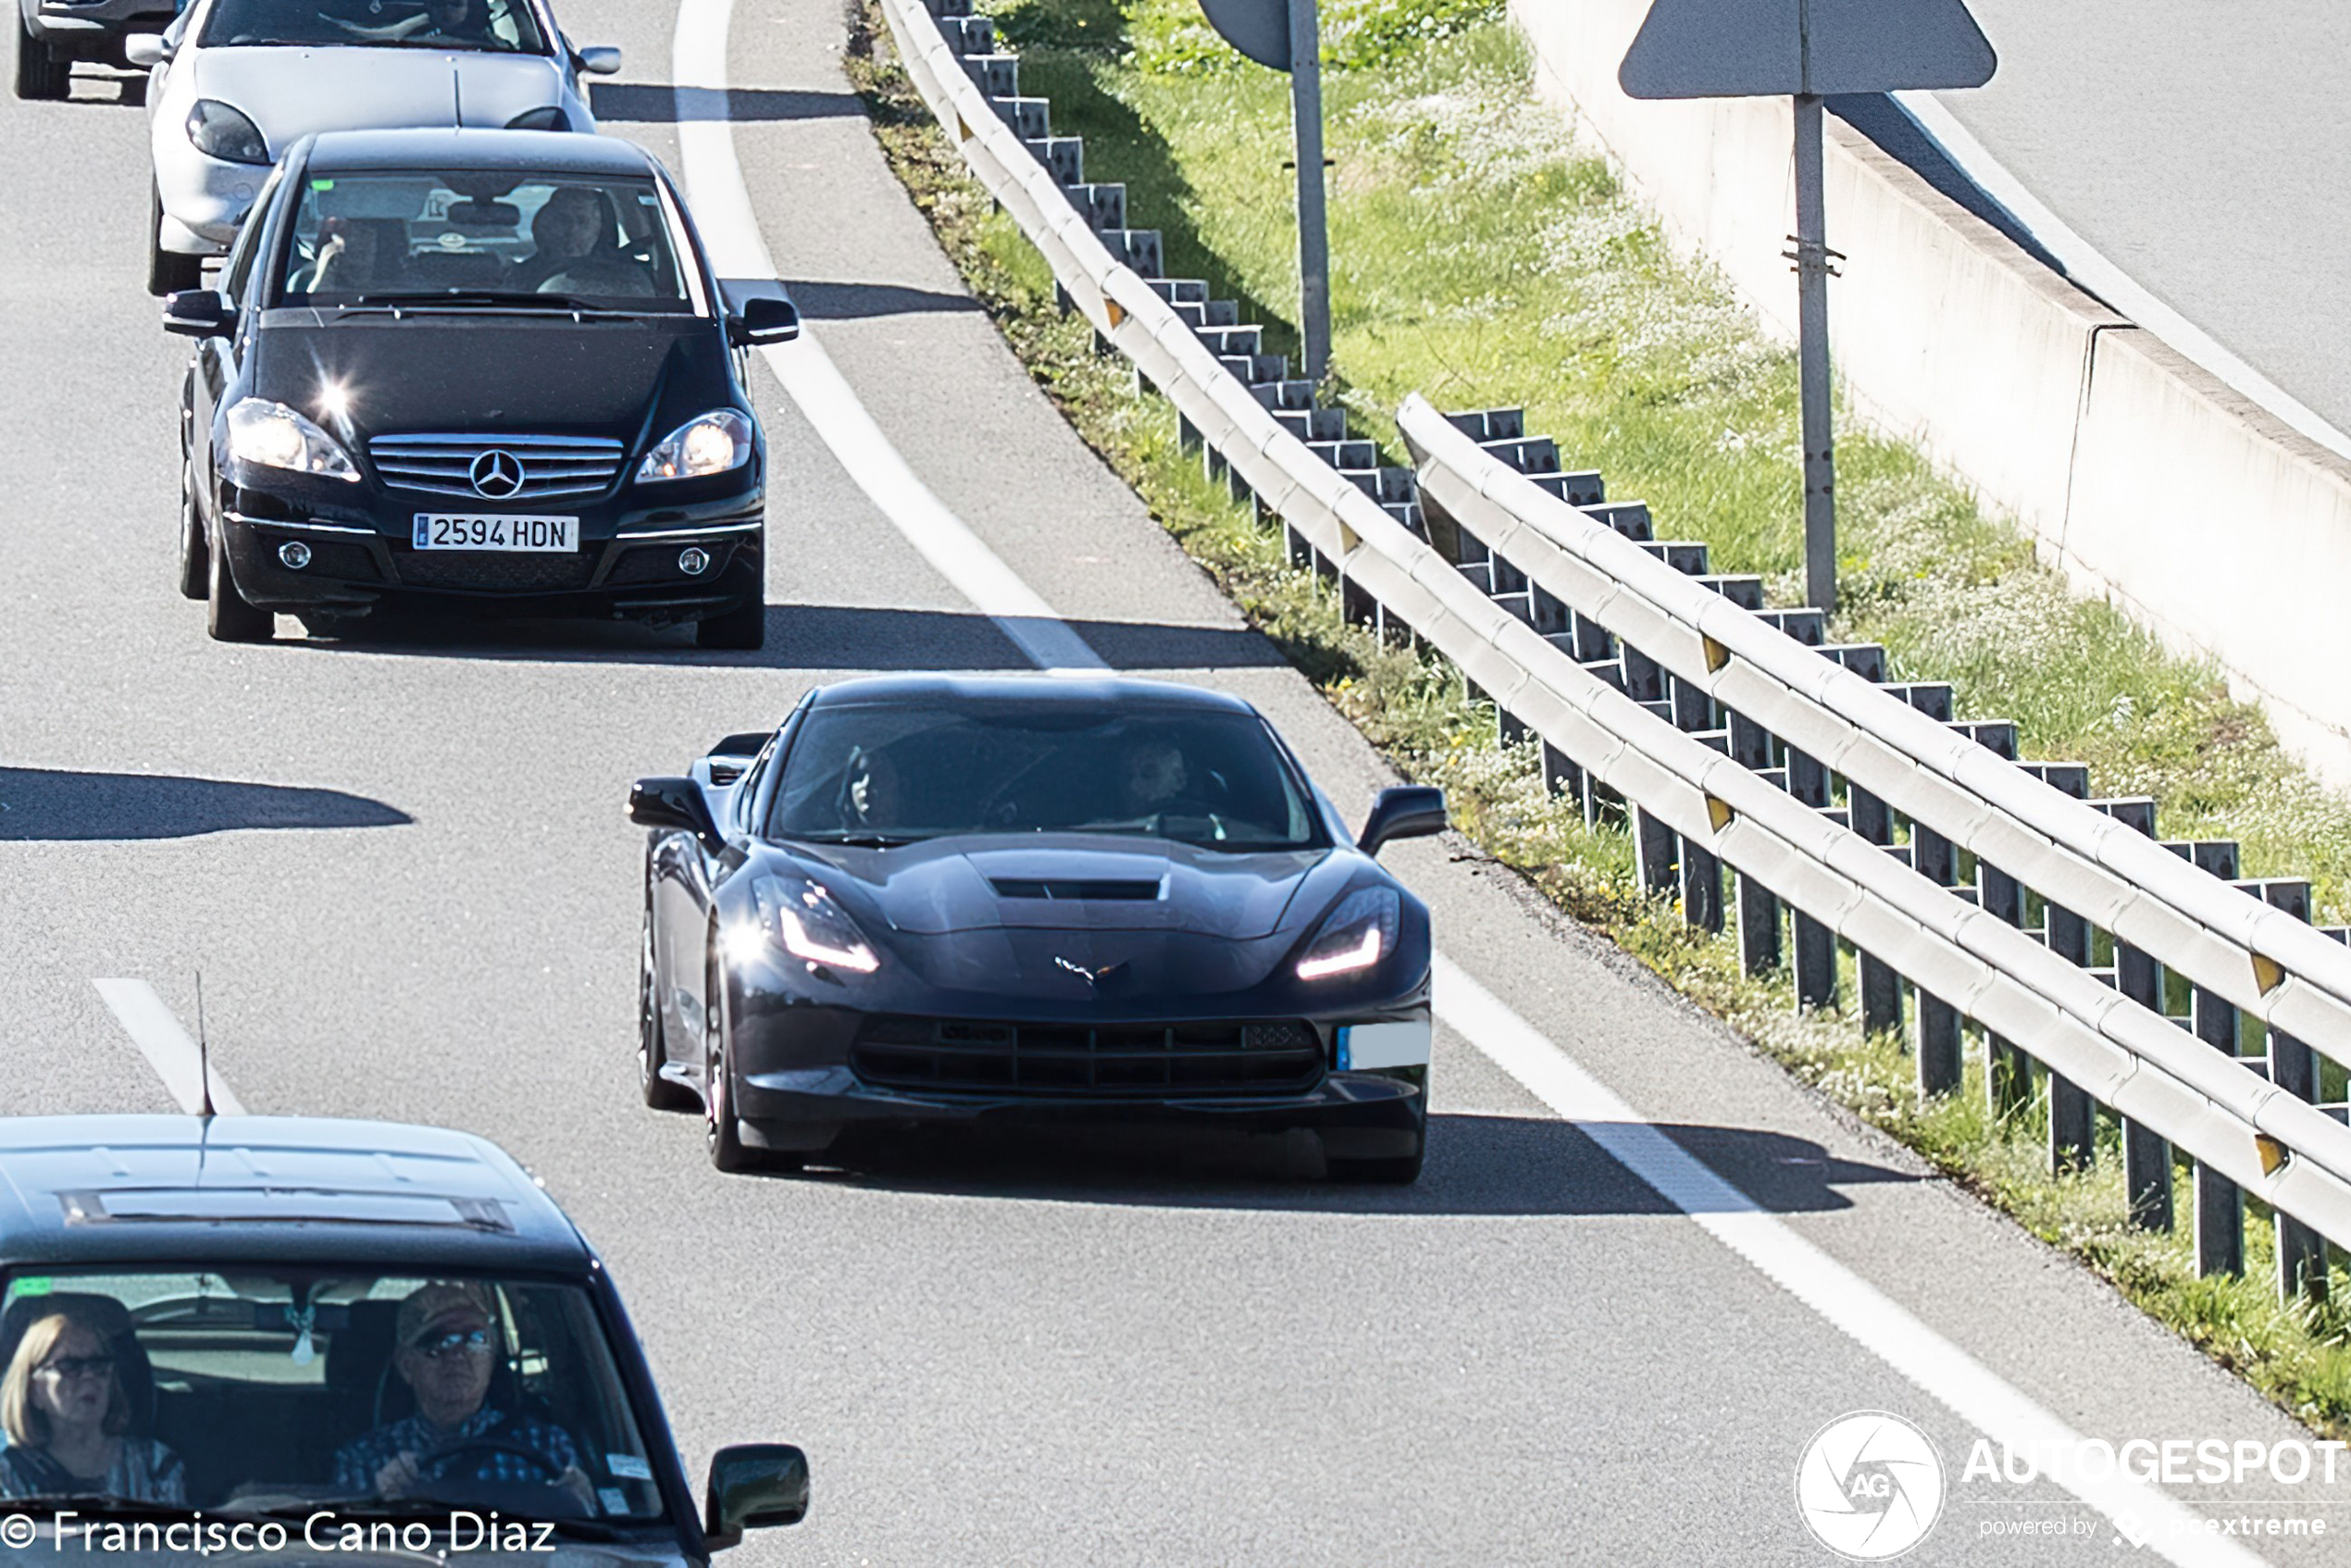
(2147, 479)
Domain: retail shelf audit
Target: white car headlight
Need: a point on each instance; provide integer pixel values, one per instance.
(802, 918)
(1355, 936)
(712, 444)
(220, 132)
(271, 435)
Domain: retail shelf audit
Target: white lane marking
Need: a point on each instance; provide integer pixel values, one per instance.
(1850, 1303)
(2089, 266)
(729, 228)
(1949, 1374)
(168, 1047)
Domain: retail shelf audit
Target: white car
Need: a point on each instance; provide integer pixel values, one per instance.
(234, 83)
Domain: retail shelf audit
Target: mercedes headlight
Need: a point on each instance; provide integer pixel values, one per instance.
(802, 918)
(712, 445)
(1355, 936)
(271, 435)
(219, 132)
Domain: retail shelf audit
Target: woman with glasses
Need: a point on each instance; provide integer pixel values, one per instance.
(67, 1421)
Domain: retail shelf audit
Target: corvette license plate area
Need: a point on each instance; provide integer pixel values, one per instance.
(440, 530)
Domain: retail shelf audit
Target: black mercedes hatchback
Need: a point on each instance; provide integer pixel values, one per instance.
(489, 369)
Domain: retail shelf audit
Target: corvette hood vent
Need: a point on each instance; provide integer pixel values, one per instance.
(1070, 889)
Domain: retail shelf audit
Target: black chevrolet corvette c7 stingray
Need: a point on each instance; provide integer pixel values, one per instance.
(927, 899)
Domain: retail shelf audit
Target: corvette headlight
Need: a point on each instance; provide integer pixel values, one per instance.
(271, 435)
(552, 118)
(219, 132)
(803, 918)
(1355, 936)
(711, 444)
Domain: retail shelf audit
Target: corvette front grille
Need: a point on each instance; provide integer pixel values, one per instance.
(551, 466)
(1111, 1061)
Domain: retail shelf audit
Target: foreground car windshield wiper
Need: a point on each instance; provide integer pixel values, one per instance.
(858, 841)
(97, 1504)
(425, 1506)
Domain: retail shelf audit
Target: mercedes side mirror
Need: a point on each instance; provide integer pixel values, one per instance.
(672, 802)
(599, 59)
(754, 1485)
(732, 757)
(763, 320)
(145, 50)
(199, 313)
(1409, 811)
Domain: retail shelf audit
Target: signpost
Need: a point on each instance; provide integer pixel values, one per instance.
(1807, 49)
(1286, 35)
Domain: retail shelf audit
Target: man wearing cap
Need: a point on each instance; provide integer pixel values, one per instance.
(445, 1348)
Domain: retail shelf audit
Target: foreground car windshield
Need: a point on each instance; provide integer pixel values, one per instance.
(368, 1393)
(395, 235)
(903, 774)
(502, 26)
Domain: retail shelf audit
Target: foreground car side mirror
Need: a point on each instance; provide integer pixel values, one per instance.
(754, 1485)
(764, 319)
(672, 802)
(145, 50)
(1409, 811)
(199, 313)
(599, 59)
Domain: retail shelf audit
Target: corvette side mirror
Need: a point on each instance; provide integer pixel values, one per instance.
(599, 59)
(199, 313)
(672, 802)
(145, 50)
(1409, 811)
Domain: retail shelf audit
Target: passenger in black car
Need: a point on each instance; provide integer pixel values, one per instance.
(447, 1346)
(68, 1419)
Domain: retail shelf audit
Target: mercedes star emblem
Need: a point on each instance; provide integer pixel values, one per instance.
(497, 475)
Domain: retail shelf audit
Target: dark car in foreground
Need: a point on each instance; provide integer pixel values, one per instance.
(265, 1313)
(480, 369)
(924, 900)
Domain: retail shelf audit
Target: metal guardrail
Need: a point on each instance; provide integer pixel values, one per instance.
(1702, 801)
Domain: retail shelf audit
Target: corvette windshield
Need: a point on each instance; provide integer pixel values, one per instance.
(504, 26)
(482, 235)
(889, 774)
(267, 1391)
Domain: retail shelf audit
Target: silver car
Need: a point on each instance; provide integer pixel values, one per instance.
(234, 83)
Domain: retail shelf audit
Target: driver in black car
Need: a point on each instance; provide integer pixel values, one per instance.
(446, 1347)
(1155, 777)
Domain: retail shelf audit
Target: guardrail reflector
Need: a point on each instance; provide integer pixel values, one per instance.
(1718, 812)
(2273, 1153)
(2268, 973)
(1117, 312)
(1716, 657)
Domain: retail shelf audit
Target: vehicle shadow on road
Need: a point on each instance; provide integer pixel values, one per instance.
(1477, 1165)
(638, 102)
(811, 637)
(820, 301)
(57, 805)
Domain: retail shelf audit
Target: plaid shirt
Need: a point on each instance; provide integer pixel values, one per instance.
(357, 1463)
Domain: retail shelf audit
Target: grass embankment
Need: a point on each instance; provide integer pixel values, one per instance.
(1484, 260)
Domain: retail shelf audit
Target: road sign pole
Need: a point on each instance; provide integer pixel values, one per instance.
(1313, 235)
(1812, 346)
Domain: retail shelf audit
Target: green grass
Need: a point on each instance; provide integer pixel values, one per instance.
(1486, 261)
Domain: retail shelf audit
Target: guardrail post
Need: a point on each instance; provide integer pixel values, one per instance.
(2293, 1067)
(1815, 962)
(1750, 747)
(1941, 1059)
(1653, 844)
(2073, 1117)
(1701, 888)
(1881, 984)
(2007, 1072)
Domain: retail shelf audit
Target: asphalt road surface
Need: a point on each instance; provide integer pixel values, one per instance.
(2200, 148)
(403, 869)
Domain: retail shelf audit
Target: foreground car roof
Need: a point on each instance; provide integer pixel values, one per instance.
(268, 1189)
(955, 690)
(478, 148)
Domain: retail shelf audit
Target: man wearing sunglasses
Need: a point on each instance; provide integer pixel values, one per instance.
(447, 1348)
